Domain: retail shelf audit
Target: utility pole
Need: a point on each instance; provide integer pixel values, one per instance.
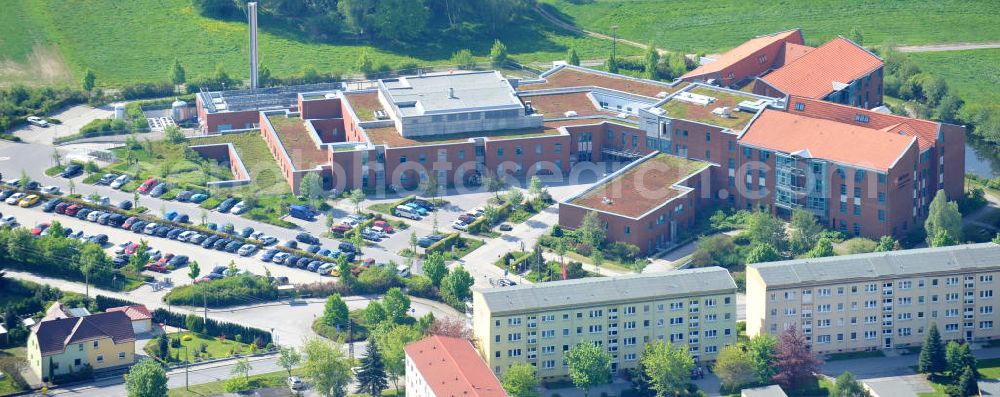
(614, 41)
(187, 367)
(252, 14)
(350, 338)
(204, 298)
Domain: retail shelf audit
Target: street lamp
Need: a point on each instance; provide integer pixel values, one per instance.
(614, 40)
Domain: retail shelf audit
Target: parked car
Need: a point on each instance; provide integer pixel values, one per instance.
(346, 247)
(184, 196)
(138, 226)
(37, 121)
(71, 170)
(210, 241)
(125, 205)
(104, 218)
(280, 257)
(268, 255)
(15, 198)
(51, 189)
(240, 208)
(119, 261)
(158, 190)
(120, 181)
(72, 209)
(226, 204)
(290, 261)
(378, 230)
(198, 238)
(99, 239)
(404, 212)
(8, 221)
(182, 218)
(220, 244)
(178, 261)
(39, 228)
(61, 208)
(51, 205)
(506, 227)
(303, 212)
(93, 215)
(107, 179)
(116, 219)
(147, 185)
(198, 198)
(302, 262)
(155, 267)
(370, 235)
(386, 226)
(459, 225)
(5, 194)
(312, 249)
(341, 228)
(416, 208)
(246, 232)
(174, 233)
(233, 246)
(307, 238)
(313, 265)
(150, 228)
(268, 240)
(325, 268)
(295, 383)
(247, 250)
(83, 213)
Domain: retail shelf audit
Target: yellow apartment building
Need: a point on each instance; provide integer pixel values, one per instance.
(538, 323)
(67, 345)
(882, 300)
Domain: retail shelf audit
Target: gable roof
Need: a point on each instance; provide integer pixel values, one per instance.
(134, 312)
(605, 290)
(881, 265)
(826, 139)
(925, 131)
(747, 49)
(815, 73)
(58, 310)
(452, 367)
(54, 335)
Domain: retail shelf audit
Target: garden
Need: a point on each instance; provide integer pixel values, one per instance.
(184, 347)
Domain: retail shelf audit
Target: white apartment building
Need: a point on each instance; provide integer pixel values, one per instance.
(442, 366)
(881, 300)
(538, 323)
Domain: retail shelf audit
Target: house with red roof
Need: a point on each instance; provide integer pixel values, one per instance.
(442, 366)
(142, 319)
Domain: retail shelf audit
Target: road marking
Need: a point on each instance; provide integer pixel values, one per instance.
(4, 158)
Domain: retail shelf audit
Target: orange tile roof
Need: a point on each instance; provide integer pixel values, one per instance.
(826, 139)
(134, 312)
(582, 77)
(452, 367)
(813, 74)
(926, 131)
(747, 49)
(795, 51)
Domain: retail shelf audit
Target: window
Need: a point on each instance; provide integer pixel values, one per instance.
(461, 155)
(514, 321)
(423, 158)
(518, 151)
(499, 152)
(100, 358)
(557, 148)
(861, 118)
(121, 355)
(96, 343)
(800, 106)
(402, 159)
(708, 137)
(538, 148)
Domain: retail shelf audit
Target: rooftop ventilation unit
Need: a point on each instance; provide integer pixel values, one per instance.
(380, 114)
(570, 113)
(696, 99)
(607, 201)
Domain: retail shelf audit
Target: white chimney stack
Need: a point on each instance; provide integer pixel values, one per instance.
(252, 14)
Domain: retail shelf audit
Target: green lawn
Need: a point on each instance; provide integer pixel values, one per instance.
(973, 75)
(7, 384)
(214, 348)
(265, 380)
(853, 355)
(130, 41)
(693, 25)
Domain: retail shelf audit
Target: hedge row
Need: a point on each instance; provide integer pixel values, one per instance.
(212, 327)
(444, 244)
(479, 225)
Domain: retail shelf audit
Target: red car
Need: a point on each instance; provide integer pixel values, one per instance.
(39, 228)
(61, 208)
(131, 248)
(129, 222)
(164, 259)
(386, 227)
(156, 267)
(147, 185)
(72, 210)
(341, 228)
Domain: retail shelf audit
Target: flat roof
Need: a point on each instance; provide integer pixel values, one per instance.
(822, 70)
(826, 139)
(452, 367)
(641, 186)
(429, 94)
(764, 391)
(574, 76)
(606, 290)
(677, 107)
(391, 137)
(556, 105)
(880, 265)
(294, 137)
(364, 104)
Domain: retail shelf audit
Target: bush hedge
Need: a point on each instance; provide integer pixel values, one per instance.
(212, 327)
(230, 291)
(444, 244)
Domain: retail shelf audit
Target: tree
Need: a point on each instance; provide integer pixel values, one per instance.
(146, 379)
(763, 253)
(357, 197)
(942, 239)
(463, 59)
(289, 358)
(535, 186)
(194, 270)
(344, 268)
(491, 214)
(716, 250)
(221, 75)
(89, 79)
(589, 366)
(886, 243)
(804, 232)
(242, 368)
(311, 187)
(761, 350)
(92, 258)
(520, 380)
(177, 75)
(735, 368)
(498, 54)
(572, 58)
(456, 286)
(943, 215)
(371, 377)
(677, 64)
(430, 185)
(959, 357)
(163, 347)
(611, 64)
(375, 313)
(856, 36)
(763, 228)
(396, 303)
(590, 230)
(400, 20)
(823, 248)
(514, 197)
(327, 368)
(435, 269)
(966, 386)
(365, 64)
(335, 312)
(495, 184)
(450, 326)
(848, 386)
(795, 363)
(668, 367)
(391, 339)
(357, 14)
(413, 242)
(650, 60)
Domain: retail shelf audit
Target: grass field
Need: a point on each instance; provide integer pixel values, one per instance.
(7, 383)
(215, 348)
(137, 40)
(974, 75)
(694, 25)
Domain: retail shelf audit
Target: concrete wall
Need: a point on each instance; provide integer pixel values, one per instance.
(328, 108)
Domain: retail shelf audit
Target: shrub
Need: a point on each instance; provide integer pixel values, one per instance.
(420, 286)
(229, 291)
(377, 279)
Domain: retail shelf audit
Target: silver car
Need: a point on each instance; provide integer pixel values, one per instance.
(120, 181)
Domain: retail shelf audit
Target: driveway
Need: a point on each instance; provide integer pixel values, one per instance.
(73, 118)
(899, 386)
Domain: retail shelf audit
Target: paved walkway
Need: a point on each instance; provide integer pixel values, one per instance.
(949, 47)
